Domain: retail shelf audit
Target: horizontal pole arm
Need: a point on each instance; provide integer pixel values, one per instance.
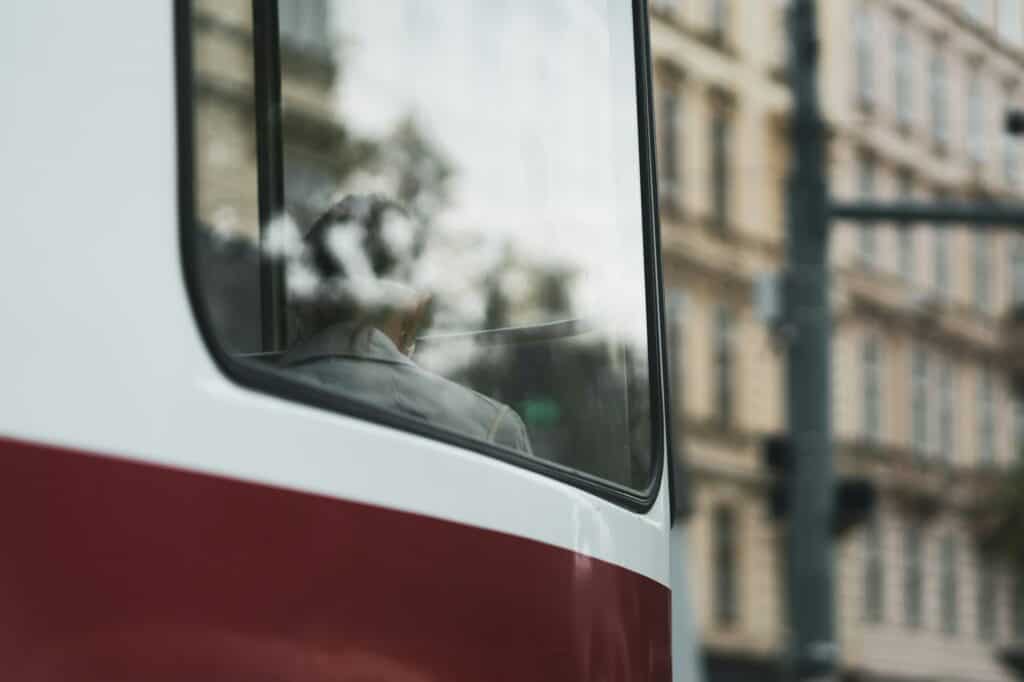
(977, 214)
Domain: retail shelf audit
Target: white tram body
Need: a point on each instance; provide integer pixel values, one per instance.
(168, 513)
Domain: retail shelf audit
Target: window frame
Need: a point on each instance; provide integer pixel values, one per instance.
(920, 389)
(949, 588)
(986, 419)
(874, 570)
(987, 596)
(669, 107)
(938, 85)
(1017, 274)
(975, 117)
(720, 13)
(867, 187)
(905, 234)
(941, 270)
(724, 365)
(946, 379)
(720, 134)
(872, 378)
(1010, 22)
(864, 59)
(1011, 152)
(914, 575)
(981, 270)
(1017, 605)
(251, 375)
(903, 73)
(725, 550)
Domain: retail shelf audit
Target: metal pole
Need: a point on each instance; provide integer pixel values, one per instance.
(810, 485)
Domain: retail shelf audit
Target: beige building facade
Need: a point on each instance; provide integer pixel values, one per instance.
(914, 93)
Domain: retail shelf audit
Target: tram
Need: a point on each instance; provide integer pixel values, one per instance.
(333, 345)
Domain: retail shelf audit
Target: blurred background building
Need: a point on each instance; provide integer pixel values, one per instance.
(925, 350)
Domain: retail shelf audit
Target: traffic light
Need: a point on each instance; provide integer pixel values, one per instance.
(777, 456)
(855, 500)
(854, 496)
(1015, 122)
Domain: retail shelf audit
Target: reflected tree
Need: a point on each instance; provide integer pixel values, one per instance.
(583, 395)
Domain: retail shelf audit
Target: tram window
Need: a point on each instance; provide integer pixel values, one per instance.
(440, 219)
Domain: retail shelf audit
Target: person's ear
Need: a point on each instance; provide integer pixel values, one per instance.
(422, 310)
(412, 322)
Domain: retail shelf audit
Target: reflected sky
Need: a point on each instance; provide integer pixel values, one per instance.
(534, 104)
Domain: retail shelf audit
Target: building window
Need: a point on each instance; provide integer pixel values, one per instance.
(949, 586)
(905, 233)
(1011, 154)
(987, 605)
(719, 20)
(937, 87)
(720, 144)
(1018, 606)
(675, 322)
(1017, 449)
(913, 579)
(919, 400)
(724, 365)
(940, 260)
(872, 382)
(864, 55)
(725, 569)
(947, 413)
(1017, 268)
(903, 72)
(669, 113)
(986, 419)
(874, 571)
(1010, 21)
(866, 186)
(982, 270)
(975, 119)
(665, 6)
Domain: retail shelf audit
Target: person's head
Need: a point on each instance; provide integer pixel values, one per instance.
(363, 252)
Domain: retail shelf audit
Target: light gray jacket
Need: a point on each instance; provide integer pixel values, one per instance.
(365, 365)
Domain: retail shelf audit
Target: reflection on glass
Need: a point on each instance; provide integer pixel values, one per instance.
(503, 138)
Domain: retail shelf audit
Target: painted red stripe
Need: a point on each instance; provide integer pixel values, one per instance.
(113, 570)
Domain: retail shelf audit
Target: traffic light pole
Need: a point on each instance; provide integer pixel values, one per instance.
(804, 462)
(979, 215)
(810, 484)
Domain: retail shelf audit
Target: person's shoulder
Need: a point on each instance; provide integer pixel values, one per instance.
(454, 388)
(502, 424)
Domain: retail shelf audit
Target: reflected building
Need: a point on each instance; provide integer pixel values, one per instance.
(227, 182)
(927, 341)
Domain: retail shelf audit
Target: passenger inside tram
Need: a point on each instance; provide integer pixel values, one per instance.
(357, 312)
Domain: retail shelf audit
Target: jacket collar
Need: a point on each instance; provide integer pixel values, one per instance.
(346, 340)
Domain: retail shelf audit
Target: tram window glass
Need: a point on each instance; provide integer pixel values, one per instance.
(457, 236)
